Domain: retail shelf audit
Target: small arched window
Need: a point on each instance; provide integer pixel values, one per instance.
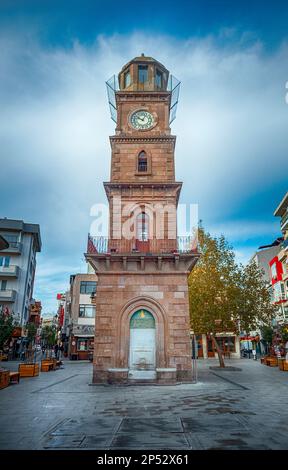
(142, 162)
(142, 227)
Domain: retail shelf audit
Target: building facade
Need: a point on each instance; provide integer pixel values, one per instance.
(228, 342)
(17, 266)
(142, 329)
(81, 310)
(279, 265)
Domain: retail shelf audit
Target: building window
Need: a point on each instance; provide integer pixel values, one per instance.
(127, 79)
(82, 344)
(159, 79)
(142, 73)
(87, 287)
(142, 227)
(3, 285)
(226, 343)
(142, 162)
(5, 261)
(87, 311)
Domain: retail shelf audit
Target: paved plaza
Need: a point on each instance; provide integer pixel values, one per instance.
(246, 409)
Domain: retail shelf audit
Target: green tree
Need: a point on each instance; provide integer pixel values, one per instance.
(31, 331)
(284, 333)
(48, 335)
(267, 335)
(7, 325)
(225, 296)
(253, 306)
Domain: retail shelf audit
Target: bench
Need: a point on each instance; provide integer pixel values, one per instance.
(14, 377)
(74, 356)
(4, 378)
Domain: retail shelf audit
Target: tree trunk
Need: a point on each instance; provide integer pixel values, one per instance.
(219, 352)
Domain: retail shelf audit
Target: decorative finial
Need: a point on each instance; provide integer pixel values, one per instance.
(142, 55)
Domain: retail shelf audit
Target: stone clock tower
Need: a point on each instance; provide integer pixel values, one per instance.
(142, 328)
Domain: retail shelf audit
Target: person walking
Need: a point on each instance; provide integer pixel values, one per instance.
(56, 350)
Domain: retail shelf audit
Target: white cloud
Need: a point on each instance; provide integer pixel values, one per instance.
(54, 128)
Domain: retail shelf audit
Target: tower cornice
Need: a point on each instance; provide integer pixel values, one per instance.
(129, 139)
(115, 187)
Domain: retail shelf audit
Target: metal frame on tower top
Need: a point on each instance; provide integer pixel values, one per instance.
(173, 86)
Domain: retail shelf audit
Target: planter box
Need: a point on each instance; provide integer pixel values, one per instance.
(283, 364)
(28, 370)
(271, 361)
(48, 364)
(4, 378)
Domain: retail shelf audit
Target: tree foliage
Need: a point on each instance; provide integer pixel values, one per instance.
(48, 335)
(225, 296)
(31, 331)
(7, 325)
(267, 333)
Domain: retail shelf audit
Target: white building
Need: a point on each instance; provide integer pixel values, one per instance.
(17, 266)
(83, 289)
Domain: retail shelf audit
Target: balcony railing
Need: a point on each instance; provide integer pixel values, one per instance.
(101, 245)
(9, 271)
(284, 221)
(8, 295)
(14, 248)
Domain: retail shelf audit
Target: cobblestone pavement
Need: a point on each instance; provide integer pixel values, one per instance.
(244, 409)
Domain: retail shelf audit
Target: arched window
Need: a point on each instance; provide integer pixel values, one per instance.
(142, 227)
(142, 162)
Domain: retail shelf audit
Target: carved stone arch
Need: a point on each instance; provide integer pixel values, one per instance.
(123, 329)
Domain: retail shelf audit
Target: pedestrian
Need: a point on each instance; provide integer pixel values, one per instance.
(23, 354)
(56, 349)
(254, 354)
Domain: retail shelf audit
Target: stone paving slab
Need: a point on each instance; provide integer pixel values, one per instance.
(60, 410)
(150, 424)
(150, 440)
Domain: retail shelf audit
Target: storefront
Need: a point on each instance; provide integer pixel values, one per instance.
(228, 343)
(81, 342)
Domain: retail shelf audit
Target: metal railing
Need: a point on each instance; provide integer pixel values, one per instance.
(99, 245)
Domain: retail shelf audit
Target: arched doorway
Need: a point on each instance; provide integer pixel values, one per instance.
(142, 353)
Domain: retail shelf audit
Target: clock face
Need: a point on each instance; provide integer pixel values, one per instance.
(142, 120)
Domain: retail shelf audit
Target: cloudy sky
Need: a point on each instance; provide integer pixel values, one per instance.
(231, 126)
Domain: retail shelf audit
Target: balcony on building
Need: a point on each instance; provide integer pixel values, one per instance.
(8, 295)
(9, 271)
(34, 317)
(15, 248)
(282, 211)
(106, 245)
(284, 221)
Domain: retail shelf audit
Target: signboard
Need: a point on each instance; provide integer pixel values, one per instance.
(83, 330)
(276, 270)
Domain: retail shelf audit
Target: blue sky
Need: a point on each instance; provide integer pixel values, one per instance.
(231, 126)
